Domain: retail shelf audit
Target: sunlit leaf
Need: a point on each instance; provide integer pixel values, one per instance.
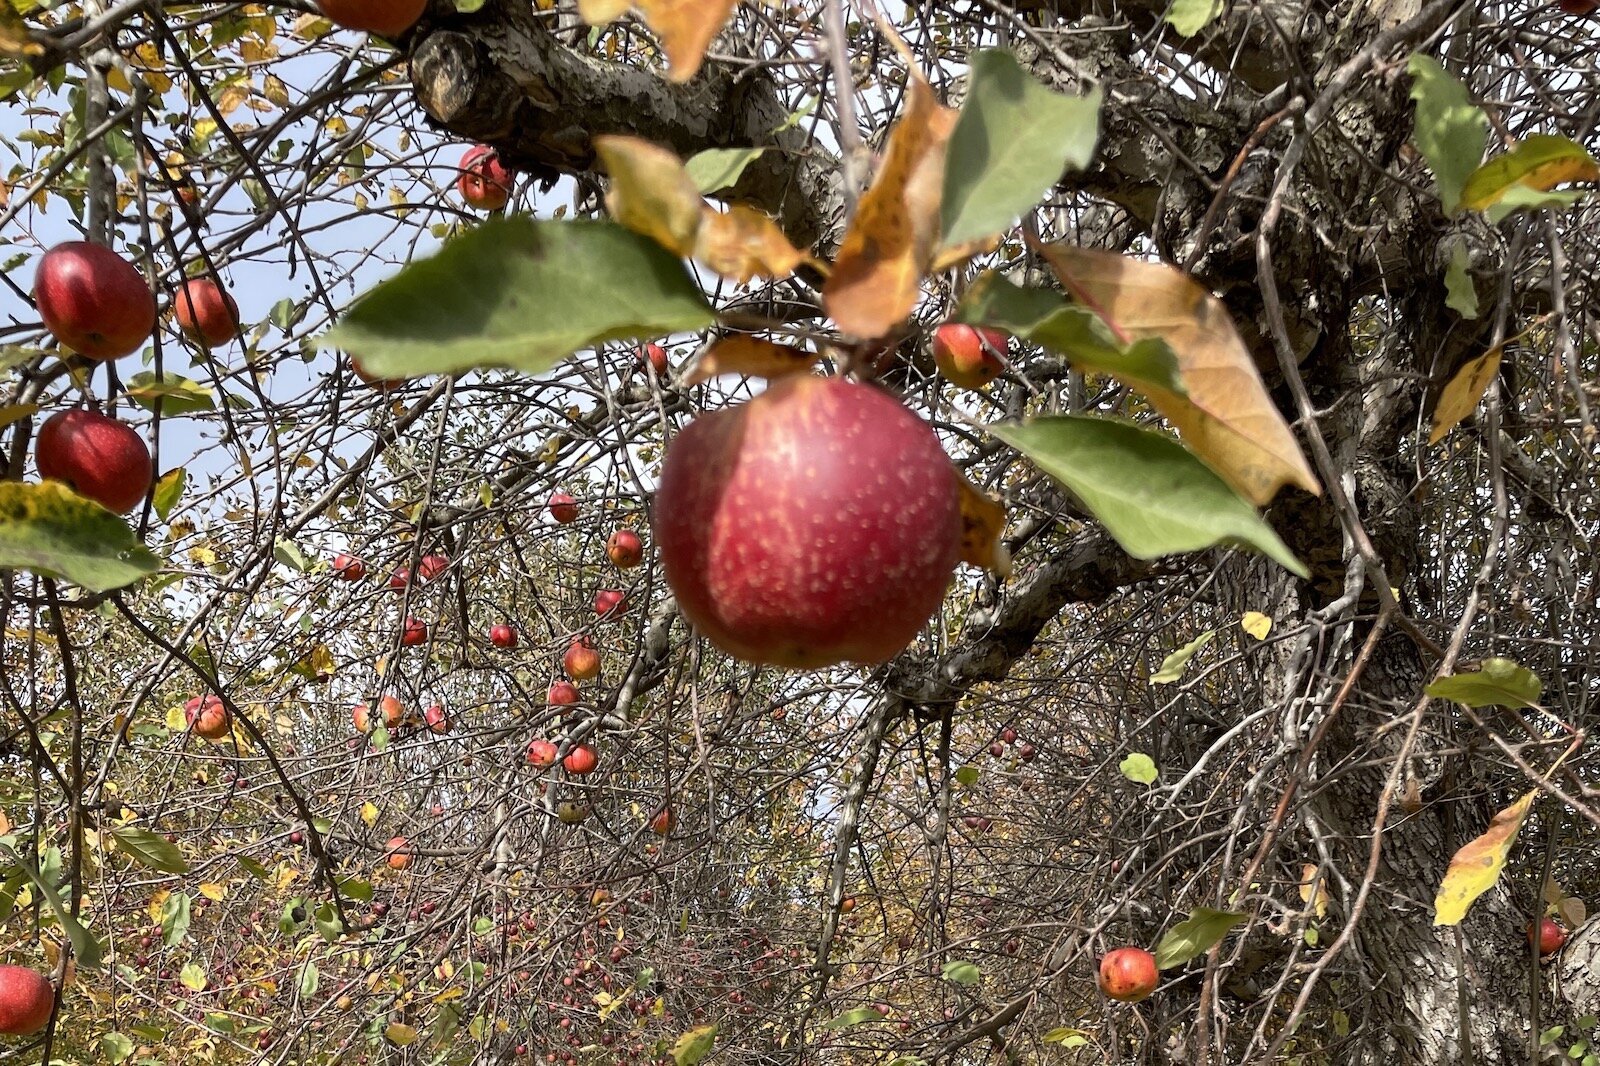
(172, 394)
(1540, 161)
(1461, 295)
(400, 1034)
(168, 490)
(650, 192)
(1139, 768)
(716, 169)
(741, 243)
(753, 356)
(962, 973)
(1255, 624)
(1476, 867)
(51, 530)
(149, 849)
(1496, 683)
(1189, 17)
(983, 522)
(1195, 935)
(1449, 127)
(693, 1046)
(1314, 889)
(193, 976)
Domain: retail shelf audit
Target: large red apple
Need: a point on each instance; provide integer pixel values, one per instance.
(625, 549)
(964, 356)
(348, 567)
(561, 694)
(580, 760)
(654, 356)
(101, 458)
(415, 632)
(26, 999)
(817, 524)
(93, 300)
(563, 508)
(582, 661)
(485, 182)
(1549, 933)
(541, 753)
(431, 566)
(502, 636)
(204, 311)
(1128, 974)
(389, 18)
(610, 603)
(207, 717)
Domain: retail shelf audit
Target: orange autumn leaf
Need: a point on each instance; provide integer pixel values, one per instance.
(886, 251)
(1476, 867)
(686, 27)
(1460, 397)
(1227, 418)
(742, 243)
(650, 192)
(743, 354)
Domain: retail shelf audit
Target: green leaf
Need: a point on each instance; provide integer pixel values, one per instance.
(168, 490)
(853, 1017)
(329, 927)
(193, 976)
(310, 980)
(1172, 666)
(255, 869)
(1195, 934)
(694, 1045)
(51, 530)
(115, 1048)
(1461, 295)
(965, 974)
(287, 922)
(467, 7)
(1139, 768)
(716, 169)
(1189, 17)
(400, 1034)
(1496, 683)
(1537, 163)
(1013, 139)
(175, 918)
(286, 314)
(356, 889)
(967, 776)
(1066, 1037)
(149, 849)
(521, 293)
(289, 554)
(1522, 198)
(172, 395)
(1046, 318)
(85, 945)
(1449, 127)
(1153, 496)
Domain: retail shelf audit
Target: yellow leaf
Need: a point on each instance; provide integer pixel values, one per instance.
(230, 98)
(600, 12)
(1476, 867)
(744, 354)
(214, 892)
(116, 79)
(877, 276)
(158, 902)
(369, 813)
(983, 521)
(1314, 888)
(1227, 418)
(203, 128)
(274, 89)
(1540, 161)
(453, 992)
(686, 28)
(286, 876)
(399, 1034)
(651, 193)
(1256, 624)
(1460, 397)
(17, 412)
(742, 243)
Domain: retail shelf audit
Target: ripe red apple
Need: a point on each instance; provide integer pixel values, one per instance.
(563, 508)
(847, 905)
(502, 636)
(581, 760)
(789, 535)
(415, 632)
(93, 300)
(1026, 752)
(664, 822)
(26, 999)
(348, 567)
(207, 717)
(1128, 974)
(431, 566)
(541, 753)
(398, 852)
(561, 694)
(381, 384)
(1579, 7)
(964, 356)
(485, 182)
(392, 709)
(436, 719)
(609, 603)
(400, 578)
(1550, 935)
(625, 549)
(204, 311)
(101, 458)
(388, 18)
(581, 662)
(1009, 735)
(654, 356)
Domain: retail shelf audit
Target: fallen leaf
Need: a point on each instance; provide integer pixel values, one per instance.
(1460, 397)
(743, 354)
(1476, 867)
(1227, 418)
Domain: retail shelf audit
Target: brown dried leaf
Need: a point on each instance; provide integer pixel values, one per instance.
(742, 243)
(1476, 867)
(650, 192)
(1460, 397)
(1572, 911)
(890, 243)
(983, 521)
(686, 28)
(743, 354)
(1227, 419)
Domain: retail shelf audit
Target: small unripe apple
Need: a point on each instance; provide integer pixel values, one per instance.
(572, 812)
(207, 717)
(204, 311)
(561, 694)
(387, 18)
(102, 459)
(1128, 974)
(582, 661)
(398, 853)
(541, 753)
(580, 760)
(436, 719)
(1549, 933)
(415, 632)
(93, 300)
(563, 508)
(964, 356)
(654, 356)
(348, 567)
(625, 549)
(485, 182)
(431, 566)
(786, 545)
(502, 636)
(610, 603)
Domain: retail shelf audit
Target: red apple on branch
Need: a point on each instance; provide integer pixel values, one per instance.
(348, 567)
(387, 18)
(207, 717)
(541, 753)
(1549, 934)
(625, 549)
(582, 661)
(967, 356)
(610, 603)
(398, 853)
(485, 182)
(1128, 974)
(93, 300)
(436, 719)
(561, 694)
(102, 459)
(580, 760)
(204, 311)
(654, 356)
(502, 636)
(27, 999)
(563, 508)
(415, 632)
